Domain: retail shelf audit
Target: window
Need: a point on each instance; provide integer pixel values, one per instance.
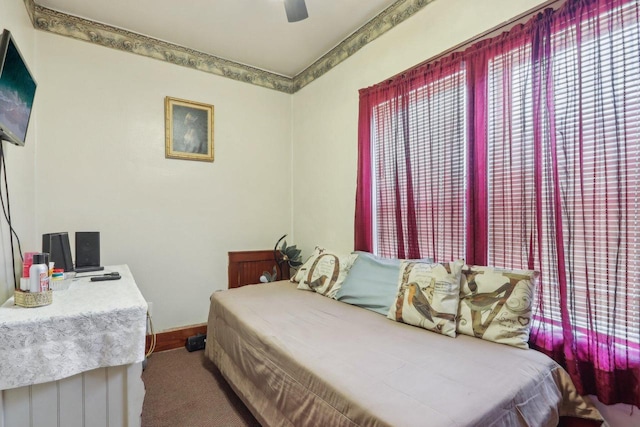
(596, 96)
(523, 151)
(419, 168)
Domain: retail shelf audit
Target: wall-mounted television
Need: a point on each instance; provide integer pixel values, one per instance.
(17, 90)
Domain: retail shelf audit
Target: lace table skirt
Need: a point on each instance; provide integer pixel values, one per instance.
(89, 325)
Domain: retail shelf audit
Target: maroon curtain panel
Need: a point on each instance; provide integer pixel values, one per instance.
(477, 222)
(415, 201)
(586, 76)
(363, 216)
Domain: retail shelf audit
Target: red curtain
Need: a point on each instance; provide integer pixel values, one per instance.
(363, 217)
(551, 180)
(587, 86)
(411, 142)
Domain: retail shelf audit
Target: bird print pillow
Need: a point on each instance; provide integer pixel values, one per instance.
(428, 296)
(324, 272)
(495, 304)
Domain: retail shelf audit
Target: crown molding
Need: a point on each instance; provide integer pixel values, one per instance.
(63, 24)
(30, 6)
(395, 14)
(52, 21)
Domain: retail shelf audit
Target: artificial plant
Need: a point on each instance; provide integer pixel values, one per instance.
(290, 255)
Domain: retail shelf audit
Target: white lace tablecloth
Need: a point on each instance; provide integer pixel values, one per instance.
(89, 325)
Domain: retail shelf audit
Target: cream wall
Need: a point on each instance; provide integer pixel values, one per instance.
(19, 160)
(101, 166)
(325, 113)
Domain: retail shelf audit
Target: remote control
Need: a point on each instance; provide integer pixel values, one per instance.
(103, 278)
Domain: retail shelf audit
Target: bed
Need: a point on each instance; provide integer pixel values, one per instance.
(298, 358)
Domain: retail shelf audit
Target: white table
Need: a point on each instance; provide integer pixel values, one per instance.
(88, 344)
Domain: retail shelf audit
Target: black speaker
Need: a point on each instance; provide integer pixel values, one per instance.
(57, 246)
(87, 249)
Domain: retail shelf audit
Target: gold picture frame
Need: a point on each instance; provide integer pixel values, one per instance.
(188, 130)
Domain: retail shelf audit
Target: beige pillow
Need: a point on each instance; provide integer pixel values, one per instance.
(495, 304)
(428, 296)
(305, 267)
(324, 272)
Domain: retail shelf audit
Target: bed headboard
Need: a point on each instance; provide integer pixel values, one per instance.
(246, 267)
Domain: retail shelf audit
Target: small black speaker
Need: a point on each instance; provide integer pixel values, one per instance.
(87, 249)
(57, 246)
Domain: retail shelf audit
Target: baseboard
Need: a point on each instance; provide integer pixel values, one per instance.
(175, 338)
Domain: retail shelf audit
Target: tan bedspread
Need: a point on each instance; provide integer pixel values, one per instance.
(298, 358)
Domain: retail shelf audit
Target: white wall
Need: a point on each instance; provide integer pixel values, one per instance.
(325, 113)
(20, 161)
(102, 167)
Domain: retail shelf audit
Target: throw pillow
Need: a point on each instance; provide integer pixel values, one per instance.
(305, 266)
(324, 272)
(372, 282)
(495, 304)
(428, 296)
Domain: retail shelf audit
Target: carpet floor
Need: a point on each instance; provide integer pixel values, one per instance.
(186, 389)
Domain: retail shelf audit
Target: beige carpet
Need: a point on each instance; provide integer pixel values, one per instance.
(186, 389)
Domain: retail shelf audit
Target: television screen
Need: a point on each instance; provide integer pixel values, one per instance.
(17, 89)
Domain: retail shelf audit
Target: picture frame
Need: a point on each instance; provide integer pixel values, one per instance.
(188, 130)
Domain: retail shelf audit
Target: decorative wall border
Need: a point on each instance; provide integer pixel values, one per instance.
(395, 14)
(63, 24)
(105, 35)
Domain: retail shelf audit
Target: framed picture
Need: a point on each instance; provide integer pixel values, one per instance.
(188, 130)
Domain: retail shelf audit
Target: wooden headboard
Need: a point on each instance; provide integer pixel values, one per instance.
(246, 267)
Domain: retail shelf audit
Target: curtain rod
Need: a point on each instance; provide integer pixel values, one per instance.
(500, 28)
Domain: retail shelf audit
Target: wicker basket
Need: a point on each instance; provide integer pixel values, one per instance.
(32, 299)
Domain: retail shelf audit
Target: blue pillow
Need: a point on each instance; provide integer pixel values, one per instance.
(372, 282)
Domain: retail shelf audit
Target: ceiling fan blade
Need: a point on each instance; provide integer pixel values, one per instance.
(296, 10)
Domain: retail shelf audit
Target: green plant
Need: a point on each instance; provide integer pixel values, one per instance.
(290, 255)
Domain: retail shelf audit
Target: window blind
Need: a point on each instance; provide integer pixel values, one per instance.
(529, 148)
(419, 151)
(595, 105)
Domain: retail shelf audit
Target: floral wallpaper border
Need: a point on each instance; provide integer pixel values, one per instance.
(60, 23)
(395, 14)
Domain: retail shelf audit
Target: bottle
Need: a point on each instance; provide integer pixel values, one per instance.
(28, 260)
(39, 273)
